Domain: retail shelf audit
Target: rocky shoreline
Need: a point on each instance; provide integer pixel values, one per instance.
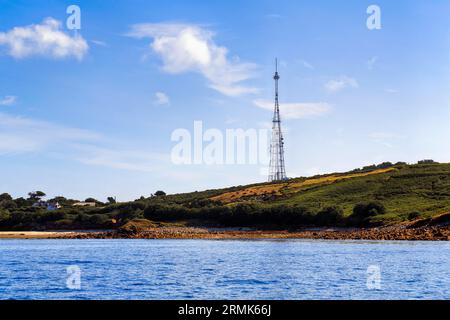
(383, 233)
(429, 229)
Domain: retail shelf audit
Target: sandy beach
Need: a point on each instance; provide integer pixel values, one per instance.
(45, 234)
(34, 234)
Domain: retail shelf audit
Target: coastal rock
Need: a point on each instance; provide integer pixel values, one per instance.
(381, 233)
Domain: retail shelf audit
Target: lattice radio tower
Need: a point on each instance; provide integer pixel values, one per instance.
(277, 170)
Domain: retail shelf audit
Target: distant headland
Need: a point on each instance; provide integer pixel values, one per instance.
(389, 201)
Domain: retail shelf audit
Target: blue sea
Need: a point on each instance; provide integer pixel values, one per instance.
(221, 269)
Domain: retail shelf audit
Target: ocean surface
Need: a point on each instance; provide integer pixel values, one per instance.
(220, 269)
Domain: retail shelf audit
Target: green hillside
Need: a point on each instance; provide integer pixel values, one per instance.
(404, 191)
(383, 194)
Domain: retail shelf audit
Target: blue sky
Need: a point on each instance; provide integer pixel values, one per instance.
(91, 113)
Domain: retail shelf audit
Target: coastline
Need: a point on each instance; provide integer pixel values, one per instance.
(36, 234)
(382, 233)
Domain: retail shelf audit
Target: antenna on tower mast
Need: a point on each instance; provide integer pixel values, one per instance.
(277, 170)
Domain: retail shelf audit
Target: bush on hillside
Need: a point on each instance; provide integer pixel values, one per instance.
(413, 215)
(49, 216)
(362, 212)
(368, 209)
(129, 211)
(329, 216)
(99, 220)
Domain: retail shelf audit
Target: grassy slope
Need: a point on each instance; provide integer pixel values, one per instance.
(402, 190)
(425, 189)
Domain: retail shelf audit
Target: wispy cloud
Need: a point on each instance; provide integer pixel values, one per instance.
(123, 159)
(391, 91)
(19, 134)
(191, 48)
(341, 83)
(8, 100)
(99, 43)
(273, 16)
(297, 110)
(161, 99)
(306, 64)
(45, 39)
(371, 63)
(385, 138)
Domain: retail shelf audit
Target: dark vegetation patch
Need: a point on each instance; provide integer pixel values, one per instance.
(405, 193)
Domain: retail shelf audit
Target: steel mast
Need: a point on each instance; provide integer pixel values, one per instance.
(277, 170)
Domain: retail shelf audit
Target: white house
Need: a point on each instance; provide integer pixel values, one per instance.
(50, 206)
(84, 204)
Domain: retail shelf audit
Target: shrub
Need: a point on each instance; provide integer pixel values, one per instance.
(8, 204)
(98, 219)
(201, 203)
(21, 219)
(329, 216)
(63, 224)
(81, 218)
(166, 212)
(362, 212)
(368, 209)
(413, 215)
(5, 196)
(426, 161)
(4, 218)
(21, 202)
(52, 216)
(219, 213)
(133, 210)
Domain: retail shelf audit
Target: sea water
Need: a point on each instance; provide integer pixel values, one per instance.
(223, 269)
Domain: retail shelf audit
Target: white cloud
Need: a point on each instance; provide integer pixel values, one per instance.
(8, 100)
(296, 110)
(18, 134)
(306, 64)
(161, 99)
(371, 63)
(385, 138)
(341, 83)
(274, 16)
(45, 39)
(116, 158)
(99, 43)
(383, 135)
(191, 48)
(11, 143)
(391, 91)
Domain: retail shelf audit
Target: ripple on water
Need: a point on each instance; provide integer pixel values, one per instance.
(203, 269)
